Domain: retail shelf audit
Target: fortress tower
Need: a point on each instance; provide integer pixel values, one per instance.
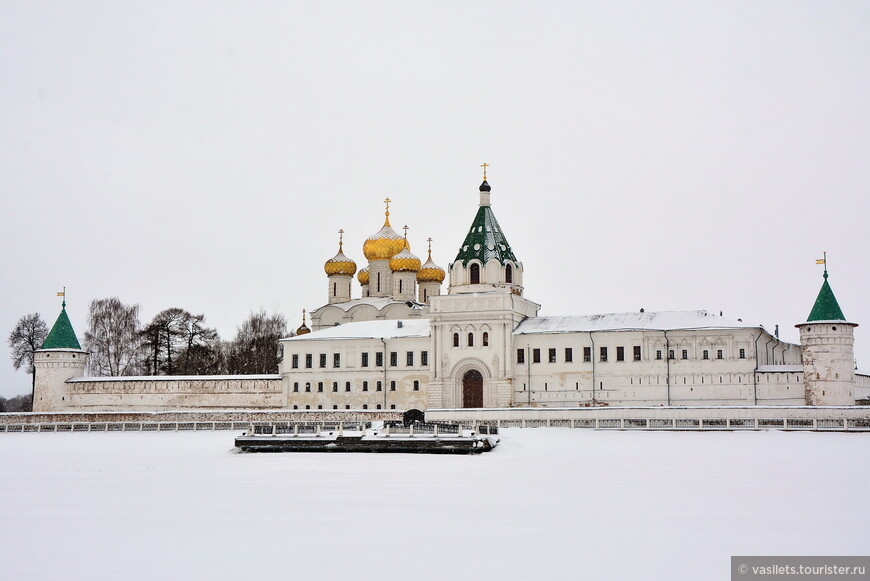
(827, 343)
(60, 358)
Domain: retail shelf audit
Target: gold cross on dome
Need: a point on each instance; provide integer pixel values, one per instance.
(405, 228)
(429, 240)
(341, 237)
(303, 316)
(387, 202)
(484, 166)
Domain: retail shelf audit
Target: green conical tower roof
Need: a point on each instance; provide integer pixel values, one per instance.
(826, 308)
(62, 335)
(485, 240)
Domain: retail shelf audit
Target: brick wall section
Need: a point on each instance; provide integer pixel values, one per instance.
(204, 416)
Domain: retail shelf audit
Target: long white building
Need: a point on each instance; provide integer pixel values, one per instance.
(403, 344)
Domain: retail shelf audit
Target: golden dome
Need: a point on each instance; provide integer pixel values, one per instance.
(405, 260)
(430, 272)
(386, 243)
(302, 329)
(363, 275)
(340, 264)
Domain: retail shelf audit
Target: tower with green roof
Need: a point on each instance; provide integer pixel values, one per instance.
(828, 354)
(472, 325)
(60, 359)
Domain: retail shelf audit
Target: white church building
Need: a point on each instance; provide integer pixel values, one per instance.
(407, 343)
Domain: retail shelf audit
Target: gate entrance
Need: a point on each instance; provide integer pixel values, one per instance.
(472, 389)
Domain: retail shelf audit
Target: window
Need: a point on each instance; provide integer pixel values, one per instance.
(378, 386)
(705, 354)
(365, 406)
(474, 271)
(508, 273)
(365, 385)
(378, 406)
(456, 339)
(670, 353)
(336, 359)
(394, 358)
(551, 355)
(416, 385)
(409, 359)
(587, 354)
(603, 353)
(424, 358)
(320, 387)
(636, 352)
(335, 386)
(392, 406)
(392, 386)
(486, 339)
(620, 353)
(296, 386)
(471, 339)
(347, 407)
(743, 354)
(659, 354)
(569, 355)
(335, 407)
(379, 359)
(308, 386)
(308, 407)
(364, 360)
(685, 353)
(295, 407)
(400, 286)
(308, 361)
(521, 356)
(536, 355)
(323, 360)
(346, 386)
(718, 354)
(295, 363)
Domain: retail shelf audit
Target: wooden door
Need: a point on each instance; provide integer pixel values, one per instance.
(472, 389)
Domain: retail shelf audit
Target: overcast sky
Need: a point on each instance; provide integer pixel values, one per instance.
(664, 155)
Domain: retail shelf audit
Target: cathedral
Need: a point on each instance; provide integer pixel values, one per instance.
(408, 343)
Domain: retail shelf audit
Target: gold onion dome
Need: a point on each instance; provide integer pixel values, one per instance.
(386, 243)
(430, 272)
(405, 260)
(363, 275)
(340, 264)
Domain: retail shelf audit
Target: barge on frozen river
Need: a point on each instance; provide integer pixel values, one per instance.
(376, 437)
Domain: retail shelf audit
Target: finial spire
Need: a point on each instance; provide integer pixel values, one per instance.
(387, 213)
(340, 239)
(824, 261)
(303, 317)
(484, 165)
(429, 240)
(63, 294)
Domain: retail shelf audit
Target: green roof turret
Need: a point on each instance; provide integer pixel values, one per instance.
(485, 239)
(62, 335)
(826, 307)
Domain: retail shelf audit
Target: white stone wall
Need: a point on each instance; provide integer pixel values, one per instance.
(339, 378)
(53, 367)
(176, 393)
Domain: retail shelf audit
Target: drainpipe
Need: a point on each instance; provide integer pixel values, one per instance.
(755, 372)
(529, 369)
(592, 358)
(384, 341)
(668, 364)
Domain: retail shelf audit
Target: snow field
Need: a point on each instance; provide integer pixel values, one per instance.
(546, 504)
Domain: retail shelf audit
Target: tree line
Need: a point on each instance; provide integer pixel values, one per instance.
(174, 342)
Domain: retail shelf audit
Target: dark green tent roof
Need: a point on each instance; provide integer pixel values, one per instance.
(826, 308)
(62, 335)
(485, 240)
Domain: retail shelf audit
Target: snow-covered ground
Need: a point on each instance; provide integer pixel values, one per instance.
(546, 504)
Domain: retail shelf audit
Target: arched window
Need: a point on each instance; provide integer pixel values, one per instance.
(400, 286)
(456, 339)
(474, 271)
(486, 339)
(471, 339)
(508, 273)
(334, 289)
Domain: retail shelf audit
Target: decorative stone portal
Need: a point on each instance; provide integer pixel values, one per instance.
(472, 389)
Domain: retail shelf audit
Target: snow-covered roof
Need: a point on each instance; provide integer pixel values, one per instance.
(370, 330)
(780, 369)
(378, 303)
(653, 321)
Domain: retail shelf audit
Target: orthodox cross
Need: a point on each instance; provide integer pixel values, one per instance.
(429, 240)
(340, 238)
(484, 166)
(405, 228)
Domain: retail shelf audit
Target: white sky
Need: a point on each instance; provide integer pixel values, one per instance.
(665, 155)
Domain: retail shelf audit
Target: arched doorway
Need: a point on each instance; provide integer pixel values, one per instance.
(472, 389)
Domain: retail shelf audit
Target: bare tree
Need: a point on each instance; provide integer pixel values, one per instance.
(27, 336)
(113, 338)
(255, 348)
(177, 342)
(201, 352)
